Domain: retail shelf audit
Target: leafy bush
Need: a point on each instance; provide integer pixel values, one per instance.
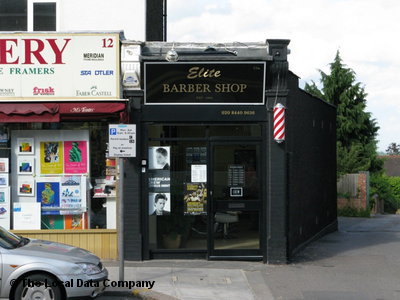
(394, 182)
(388, 189)
(354, 212)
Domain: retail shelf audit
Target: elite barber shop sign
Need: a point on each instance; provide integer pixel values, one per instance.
(204, 83)
(59, 66)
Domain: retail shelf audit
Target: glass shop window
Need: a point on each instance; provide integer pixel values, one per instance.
(13, 15)
(177, 198)
(44, 16)
(56, 176)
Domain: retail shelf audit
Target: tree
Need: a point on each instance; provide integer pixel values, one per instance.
(356, 129)
(393, 149)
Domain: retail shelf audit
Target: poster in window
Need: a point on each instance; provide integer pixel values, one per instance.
(159, 158)
(199, 173)
(3, 180)
(75, 157)
(26, 165)
(159, 204)
(71, 199)
(73, 222)
(48, 194)
(5, 207)
(26, 215)
(51, 157)
(4, 165)
(26, 186)
(4, 195)
(26, 146)
(52, 222)
(4, 211)
(195, 199)
(159, 181)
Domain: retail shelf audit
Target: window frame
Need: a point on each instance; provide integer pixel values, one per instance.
(30, 13)
(23, 16)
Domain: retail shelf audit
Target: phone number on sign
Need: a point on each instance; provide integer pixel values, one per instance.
(238, 112)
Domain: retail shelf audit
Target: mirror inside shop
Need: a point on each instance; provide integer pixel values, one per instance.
(57, 176)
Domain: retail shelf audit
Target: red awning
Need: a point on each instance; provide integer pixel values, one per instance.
(91, 110)
(29, 112)
(56, 112)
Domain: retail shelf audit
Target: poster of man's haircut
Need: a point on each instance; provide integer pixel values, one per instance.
(159, 158)
(159, 204)
(159, 175)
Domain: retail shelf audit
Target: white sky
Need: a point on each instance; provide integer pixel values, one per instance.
(366, 32)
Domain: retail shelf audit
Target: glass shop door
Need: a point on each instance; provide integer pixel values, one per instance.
(235, 200)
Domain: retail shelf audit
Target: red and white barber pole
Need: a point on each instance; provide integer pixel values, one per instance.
(279, 123)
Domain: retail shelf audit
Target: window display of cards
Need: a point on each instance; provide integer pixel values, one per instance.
(4, 211)
(26, 165)
(26, 145)
(26, 186)
(26, 215)
(4, 195)
(3, 165)
(5, 207)
(3, 180)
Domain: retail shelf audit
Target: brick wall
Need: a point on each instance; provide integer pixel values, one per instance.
(353, 190)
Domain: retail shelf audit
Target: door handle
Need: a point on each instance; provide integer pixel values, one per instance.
(211, 192)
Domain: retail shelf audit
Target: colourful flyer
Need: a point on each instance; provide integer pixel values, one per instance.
(71, 199)
(75, 157)
(73, 222)
(51, 157)
(48, 193)
(52, 222)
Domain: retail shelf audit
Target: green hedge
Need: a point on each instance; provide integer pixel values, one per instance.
(388, 189)
(354, 212)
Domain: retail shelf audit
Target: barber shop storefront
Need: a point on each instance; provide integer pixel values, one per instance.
(213, 176)
(213, 186)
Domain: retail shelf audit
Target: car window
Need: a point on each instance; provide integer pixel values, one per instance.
(9, 240)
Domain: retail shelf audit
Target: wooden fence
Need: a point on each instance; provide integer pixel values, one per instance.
(353, 190)
(101, 242)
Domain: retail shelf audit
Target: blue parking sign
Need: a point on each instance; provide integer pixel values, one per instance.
(113, 131)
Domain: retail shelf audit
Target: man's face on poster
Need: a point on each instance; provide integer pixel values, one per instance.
(161, 159)
(160, 204)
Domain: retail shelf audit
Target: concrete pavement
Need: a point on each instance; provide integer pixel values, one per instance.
(360, 261)
(199, 279)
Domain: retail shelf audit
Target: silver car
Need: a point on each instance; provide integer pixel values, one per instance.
(36, 269)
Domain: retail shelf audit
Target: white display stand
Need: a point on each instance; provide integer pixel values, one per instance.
(111, 206)
(27, 216)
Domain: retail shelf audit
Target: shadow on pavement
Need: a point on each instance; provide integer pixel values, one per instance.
(354, 234)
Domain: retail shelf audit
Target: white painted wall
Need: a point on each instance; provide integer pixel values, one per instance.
(98, 15)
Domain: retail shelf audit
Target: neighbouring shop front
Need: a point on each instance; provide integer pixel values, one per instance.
(59, 93)
(212, 180)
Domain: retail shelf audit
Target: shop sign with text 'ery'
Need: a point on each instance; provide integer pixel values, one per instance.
(62, 66)
(204, 83)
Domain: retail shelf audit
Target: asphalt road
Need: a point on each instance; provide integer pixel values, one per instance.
(360, 261)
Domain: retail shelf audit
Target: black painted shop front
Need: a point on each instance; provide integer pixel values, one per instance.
(211, 180)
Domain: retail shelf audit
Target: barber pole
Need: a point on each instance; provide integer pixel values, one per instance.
(279, 123)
